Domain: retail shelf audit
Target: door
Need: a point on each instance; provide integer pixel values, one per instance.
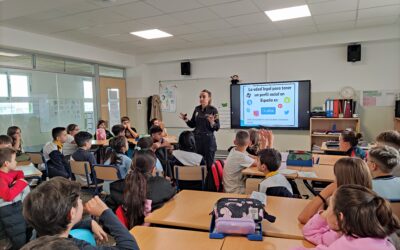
(115, 89)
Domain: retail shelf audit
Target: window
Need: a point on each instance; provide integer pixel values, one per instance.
(15, 59)
(111, 72)
(3, 85)
(14, 94)
(79, 68)
(88, 96)
(19, 86)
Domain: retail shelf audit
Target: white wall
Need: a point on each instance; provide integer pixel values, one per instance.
(17, 39)
(325, 65)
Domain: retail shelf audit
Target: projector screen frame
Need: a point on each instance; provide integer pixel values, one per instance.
(303, 125)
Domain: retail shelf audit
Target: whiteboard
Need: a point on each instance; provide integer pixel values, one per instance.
(187, 98)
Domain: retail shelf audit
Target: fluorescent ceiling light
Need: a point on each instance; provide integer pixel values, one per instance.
(288, 13)
(151, 34)
(3, 53)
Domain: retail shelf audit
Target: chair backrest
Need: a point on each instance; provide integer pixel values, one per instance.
(80, 167)
(190, 173)
(106, 172)
(396, 208)
(36, 157)
(252, 184)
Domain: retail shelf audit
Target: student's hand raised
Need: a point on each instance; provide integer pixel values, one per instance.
(99, 232)
(95, 206)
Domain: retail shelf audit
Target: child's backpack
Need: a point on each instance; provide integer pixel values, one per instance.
(101, 134)
(239, 216)
(216, 175)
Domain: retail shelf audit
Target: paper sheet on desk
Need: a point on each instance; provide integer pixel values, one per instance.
(307, 174)
(286, 171)
(28, 170)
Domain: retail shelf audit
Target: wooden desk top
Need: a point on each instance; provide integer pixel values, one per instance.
(327, 159)
(29, 169)
(171, 139)
(100, 143)
(268, 243)
(191, 209)
(323, 172)
(154, 238)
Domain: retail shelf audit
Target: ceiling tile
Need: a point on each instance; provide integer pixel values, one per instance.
(277, 4)
(332, 6)
(160, 21)
(136, 10)
(214, 2)
(110, 3)
(265, 35)
(121, 37)
(335, 17)
(236, 8)
(196, 37)
(300, 30)
(248, 19)
(181, 30)
(292, 23)
(48, 14)
(197, 15)
(379, 12)
(377, 21)
(257, 28)
(376, 3)
(225, 32)
(168, 6)
(102, 16)
(211, 25)
(336, 26)
(317, 1)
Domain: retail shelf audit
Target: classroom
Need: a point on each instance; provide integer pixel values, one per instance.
(200, 124)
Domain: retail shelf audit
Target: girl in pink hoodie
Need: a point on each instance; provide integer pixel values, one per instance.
(356, 219)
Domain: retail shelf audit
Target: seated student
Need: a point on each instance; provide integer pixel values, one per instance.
(238, 158)
(50, 243)
(274, 184)
(118, 130)
(130, 132)
(70, 146)
(13, 189)
(156, 122)
(103, 125)
(186, 154)
(349, 170)
(348, 143)
(381, 161)
(116, 156)
(16, 135)
(156, 135)
(259, 140)
(143, 192)
(55, 207)
(356, 219)
(390, 138)
(5, 141)
(83, 140)
(146, 143)
(53, 154)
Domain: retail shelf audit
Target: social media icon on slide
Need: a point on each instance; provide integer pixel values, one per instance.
(249, 102)
(256, 113)
(280, 105)
(286, 112)
(248, 95)
(286, 100)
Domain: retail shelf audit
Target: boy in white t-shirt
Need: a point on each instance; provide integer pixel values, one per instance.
(275, 184)
(238, 158)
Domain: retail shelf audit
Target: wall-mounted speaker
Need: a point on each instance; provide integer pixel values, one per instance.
(185, 68)
(354, 53)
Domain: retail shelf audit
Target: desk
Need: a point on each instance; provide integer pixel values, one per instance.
(155, 238)
(29, 169)
(191, 209)
(323, 172)
(100, 143)
(171, 139)
(268, 243)
(327, 159)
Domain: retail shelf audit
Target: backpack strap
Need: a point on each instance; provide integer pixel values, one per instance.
(215, 175)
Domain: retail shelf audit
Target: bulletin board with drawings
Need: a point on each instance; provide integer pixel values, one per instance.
(183, 96)
(59, 112)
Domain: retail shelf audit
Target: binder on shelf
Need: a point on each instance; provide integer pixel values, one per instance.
(336, 108)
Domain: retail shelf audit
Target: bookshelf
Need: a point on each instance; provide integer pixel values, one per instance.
(397, 124)
(320, 129)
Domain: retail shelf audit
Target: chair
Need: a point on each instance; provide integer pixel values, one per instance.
(252, 184)
(395, 207)
(189, 173)
(81, 168)
(105, 173)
